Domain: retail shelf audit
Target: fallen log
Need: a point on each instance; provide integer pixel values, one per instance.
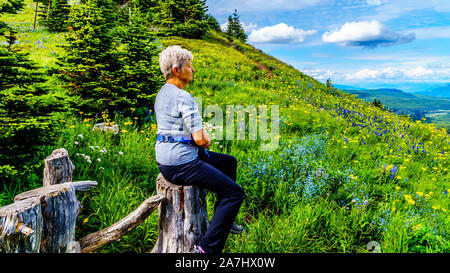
(114, 232)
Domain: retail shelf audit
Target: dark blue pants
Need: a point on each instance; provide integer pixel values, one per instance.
(216, 173)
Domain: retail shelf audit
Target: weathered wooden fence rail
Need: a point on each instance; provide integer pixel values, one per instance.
(43, 220)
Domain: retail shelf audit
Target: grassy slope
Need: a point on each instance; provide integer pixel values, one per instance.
(334, 183)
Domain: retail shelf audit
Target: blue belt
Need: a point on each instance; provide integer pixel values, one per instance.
(172, 139)
(181, 139)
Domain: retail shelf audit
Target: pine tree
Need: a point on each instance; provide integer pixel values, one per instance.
(184, 18)
(212, 22)
(235, 28)
(56, 19)
(330, 87)
(140, 77)
(89, 62)
(27, 111)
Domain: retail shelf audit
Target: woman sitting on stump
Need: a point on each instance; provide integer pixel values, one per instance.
(181, 145)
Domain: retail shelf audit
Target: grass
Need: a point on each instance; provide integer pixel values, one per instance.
(345, 173)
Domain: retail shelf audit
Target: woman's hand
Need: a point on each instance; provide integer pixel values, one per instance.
(202, 138)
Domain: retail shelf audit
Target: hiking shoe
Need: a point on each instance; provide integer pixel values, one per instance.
(197, 249)
(236, 229)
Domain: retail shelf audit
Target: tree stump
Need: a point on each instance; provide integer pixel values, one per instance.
(20, 227)
(42, 220)
(183, 217)
(58, 168)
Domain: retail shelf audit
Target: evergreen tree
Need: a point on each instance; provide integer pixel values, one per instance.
(11, 6)
(212, 22)
(27, 111)
(377, 103)
(235, 28)
(108, 11)
(89, 62)
(181, 18)
(139, 74)
(330, 87)
(56, 19)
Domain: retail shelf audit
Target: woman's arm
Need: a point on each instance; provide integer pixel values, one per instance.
(202, 138)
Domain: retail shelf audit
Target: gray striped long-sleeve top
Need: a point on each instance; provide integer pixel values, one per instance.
(177, 115)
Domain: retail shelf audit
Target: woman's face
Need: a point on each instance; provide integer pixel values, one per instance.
(186, 73)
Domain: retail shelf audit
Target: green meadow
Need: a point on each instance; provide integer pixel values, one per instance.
(344, 172)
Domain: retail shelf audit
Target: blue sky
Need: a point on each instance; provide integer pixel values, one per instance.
(403, 44)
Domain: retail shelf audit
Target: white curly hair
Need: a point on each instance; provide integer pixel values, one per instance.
(173, 56)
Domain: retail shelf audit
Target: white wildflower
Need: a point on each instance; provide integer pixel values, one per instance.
(120, 153)
(76, 143)
(80, 136)
(98, 159)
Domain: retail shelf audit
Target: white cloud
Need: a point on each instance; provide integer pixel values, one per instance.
(280, 33)
(365, 74)
(418, 72)
(368, 34)
(392, 73)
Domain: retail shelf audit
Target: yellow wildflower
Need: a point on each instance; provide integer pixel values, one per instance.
(419, 193)
(417, 227)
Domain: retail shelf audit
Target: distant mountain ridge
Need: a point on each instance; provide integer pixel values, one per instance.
(426, 104)
(392, 92)
(433, 90)
(443, 91)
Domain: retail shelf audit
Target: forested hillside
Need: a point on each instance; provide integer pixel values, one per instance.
(343, 172)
